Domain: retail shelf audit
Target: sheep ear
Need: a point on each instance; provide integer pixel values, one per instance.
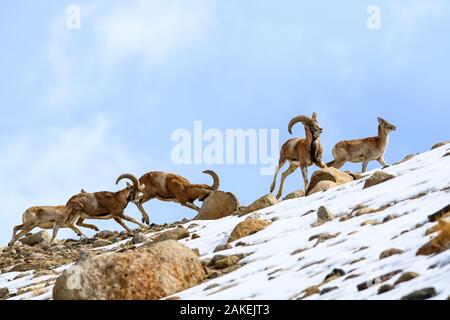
(128, 184)
(380, 120)
(314, 116)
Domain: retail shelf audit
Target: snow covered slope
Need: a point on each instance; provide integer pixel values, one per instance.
(421, 188)
(282, 261)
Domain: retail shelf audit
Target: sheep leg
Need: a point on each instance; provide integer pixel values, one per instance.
(285, 174)
(338, 164)
(23, 232)
(364, 166)
(119, 221)
(190, 205)
(86, 225)
(305, 178)
(14, 237)
(382, 162)
(279, 166)
(76, 230)
(55, 231)
(128, 218)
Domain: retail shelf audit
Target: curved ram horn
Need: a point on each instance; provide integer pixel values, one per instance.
(132, 178)
(214, 175)
(303, 119)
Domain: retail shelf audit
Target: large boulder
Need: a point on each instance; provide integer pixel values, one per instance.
(321, 186)
(36, 238)
(263, 202)
(148, 273)
(218, 205)
(377, 178)
(328, 174)
(247, 227)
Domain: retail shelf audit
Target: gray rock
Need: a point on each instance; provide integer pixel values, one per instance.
(36, 238)
(377, 178)
(324, 215)
(421, 294)
(385, 288)
(326, 290)
(4, 293)
(101, 243)
(139, 238)
(390, 252)
(295, 194)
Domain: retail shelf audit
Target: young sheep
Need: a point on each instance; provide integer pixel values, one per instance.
(107, 205)
(300, 152)
(364, 150)
(45, 217)
(171, 187)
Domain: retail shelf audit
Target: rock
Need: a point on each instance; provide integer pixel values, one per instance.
(226, 262)
(193, 225)
(328, 174)
(355, 175)
(323, 236)
(246, 228)
(106, 234)
(407, 276)
(326, 290)
(321, 186)
(297, 251)
(101, 243)
(336, 273)
(295, 194)
(389, 218)
(385, 288)
(35, 256)
(369, 222)
(324, 215)
(150, 272)
(36, 238)
(173, 234)
(439, 144)
(443, 213)
(311, 291)
(421, 294)
(218, 205)
(390, 252)
(222, 247)
(4, 293)
(367, 284)
(139, 238)
(194, 236)
(211, 286)
(361, 211)
(263, 202)
(408, 157)
(377, 178)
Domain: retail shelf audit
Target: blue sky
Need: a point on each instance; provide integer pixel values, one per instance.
(80, 107)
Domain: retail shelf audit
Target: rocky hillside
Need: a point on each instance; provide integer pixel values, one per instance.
(372, 237)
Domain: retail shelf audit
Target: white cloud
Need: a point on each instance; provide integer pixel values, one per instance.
(46, 169)
(155, 29)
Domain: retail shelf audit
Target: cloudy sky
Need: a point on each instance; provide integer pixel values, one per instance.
(81, 106)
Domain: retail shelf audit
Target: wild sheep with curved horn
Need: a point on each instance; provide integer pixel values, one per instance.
(300, 152)
(166, 186)
(108, 205)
